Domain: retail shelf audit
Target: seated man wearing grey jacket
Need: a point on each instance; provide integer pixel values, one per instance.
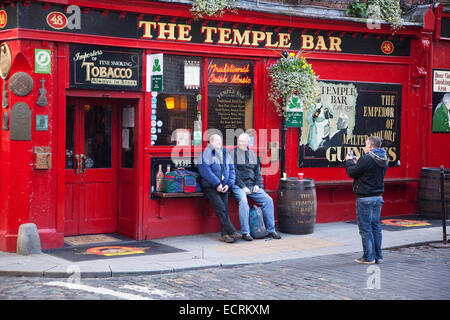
(249, 182)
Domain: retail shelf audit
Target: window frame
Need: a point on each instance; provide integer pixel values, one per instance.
(259, 88)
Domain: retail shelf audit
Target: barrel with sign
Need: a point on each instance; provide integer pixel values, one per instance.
(296, 206)
(429, 193)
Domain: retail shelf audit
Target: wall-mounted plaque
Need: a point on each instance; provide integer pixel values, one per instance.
(21, 84)
(5, 61)
(42, 100)
(20, 124)
(41, 122)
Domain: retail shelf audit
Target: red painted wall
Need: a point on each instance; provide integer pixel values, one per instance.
(29, 195)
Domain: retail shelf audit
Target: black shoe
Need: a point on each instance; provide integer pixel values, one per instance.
(247, 237)
(236, 236)
(227, 238)
(274, 235)
(364, 261)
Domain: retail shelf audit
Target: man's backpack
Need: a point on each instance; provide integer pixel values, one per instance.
(257, 228)
(181, 180)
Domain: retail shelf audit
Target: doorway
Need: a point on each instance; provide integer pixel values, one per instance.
(100, 166)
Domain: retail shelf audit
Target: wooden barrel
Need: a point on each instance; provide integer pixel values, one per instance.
(429, 193)
(296, 206)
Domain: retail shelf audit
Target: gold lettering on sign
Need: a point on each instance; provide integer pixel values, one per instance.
(318, 43)
(147, 28)
(184, 32)
(236, 37)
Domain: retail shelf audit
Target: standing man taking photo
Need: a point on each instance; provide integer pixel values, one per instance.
(368, 173)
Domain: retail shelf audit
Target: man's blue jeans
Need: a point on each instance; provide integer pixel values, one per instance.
(261, 198)
(368, 212)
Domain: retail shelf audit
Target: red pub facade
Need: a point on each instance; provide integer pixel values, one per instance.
(97, 96)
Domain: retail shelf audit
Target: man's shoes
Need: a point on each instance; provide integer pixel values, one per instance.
(227, 238)
(274, 235)
(236, 236)
(364, 261)
(379, 261)
(247, 237)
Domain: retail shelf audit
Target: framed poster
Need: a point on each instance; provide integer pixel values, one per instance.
(342, 118)
(441, 101)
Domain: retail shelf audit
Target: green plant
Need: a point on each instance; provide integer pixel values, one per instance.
(209, 8)
(292, 74)
(357, 9)
(388, 10)
(391, 12)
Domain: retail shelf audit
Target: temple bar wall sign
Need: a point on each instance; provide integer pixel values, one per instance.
(176, 29)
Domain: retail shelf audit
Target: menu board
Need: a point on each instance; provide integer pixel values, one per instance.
(230, 94)
(229, 111)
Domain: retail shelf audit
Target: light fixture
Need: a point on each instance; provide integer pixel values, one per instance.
(170, 102)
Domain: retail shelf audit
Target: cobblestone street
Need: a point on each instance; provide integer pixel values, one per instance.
(421, 273)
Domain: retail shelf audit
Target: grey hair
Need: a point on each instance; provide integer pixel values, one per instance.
(374, 141)
(214, 137)
(247, 137)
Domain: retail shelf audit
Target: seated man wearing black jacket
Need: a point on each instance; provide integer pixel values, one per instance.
(249, 182)
(368, 185)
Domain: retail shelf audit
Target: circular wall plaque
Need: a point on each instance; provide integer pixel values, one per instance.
(21, 84)
(5, 61)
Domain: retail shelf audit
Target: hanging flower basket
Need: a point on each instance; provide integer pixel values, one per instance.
(292, 75)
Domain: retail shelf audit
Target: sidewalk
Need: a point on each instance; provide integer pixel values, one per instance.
(206, 251)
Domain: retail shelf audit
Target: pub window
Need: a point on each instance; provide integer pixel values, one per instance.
(178, 108)
(230, 95)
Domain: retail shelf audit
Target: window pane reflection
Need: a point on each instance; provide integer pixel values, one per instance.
(70, 136)
(178, 106)
(97, 136)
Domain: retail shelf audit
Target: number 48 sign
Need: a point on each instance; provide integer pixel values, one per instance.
(42, 61)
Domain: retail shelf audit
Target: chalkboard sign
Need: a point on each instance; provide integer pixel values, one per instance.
(227, 109)
(230, 94)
